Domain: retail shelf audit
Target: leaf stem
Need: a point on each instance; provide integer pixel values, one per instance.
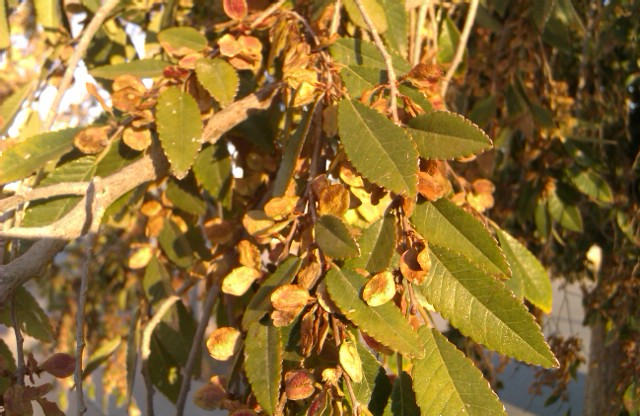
(462, 45)
(391, 74)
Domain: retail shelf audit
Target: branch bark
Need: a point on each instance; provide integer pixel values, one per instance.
(154, 165)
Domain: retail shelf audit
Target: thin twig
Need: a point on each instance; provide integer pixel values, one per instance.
(414, 302)
(462, 46)
(268, 12)
(95, 210)
(20, 369)
(335, 19)
(212, 296)
(145, 348)
(355, 409)
(89, 32)
(391, 74)
(417, 41)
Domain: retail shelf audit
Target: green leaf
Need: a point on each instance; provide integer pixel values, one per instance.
(48, 14)
(483, 110)
(591, 184)
(381, 151)
(164, 371)
(443, 135)
(117, 157)
(349, 51)
(213, 172)
(448, 42)
(219, 78)
(176, 333)
(179, 128)
(141, 68)
(396, 36)
(260, 303)
(182, 40)
(540, 13)
(564, 212)
(542, 116)
(375, 388)
(263, 364)
(5, 41)
(375, 11)
(175, 245)
(447, 225)
(100, 355)
(185, 196)
(360, 78)
(291, 153)
(385, 323)
(8, 364)
(24, 158)
(403, 399)
(11, 106)
(377, 244)
(32, 319)
(156, 281)
(483, 309)
(45, 212)
(525, 268)
(334, 239)
(448, 383)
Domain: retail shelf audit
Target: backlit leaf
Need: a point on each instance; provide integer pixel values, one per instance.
(260, 303)
(142, 68)
(448, 41)
(375, 388)
(24, 158)
(179, 128)
(33, 320)
(376, 246)
(591, 184)
(447, 225)
(180, 41)
(100, 355)
(483, 309)
(564, 212)
(48, 14)
(263, 364)
(526, 269)
(11, 105)
(443, 135)
(396, 35)
(381, 151)
(385, 323)
(448, 383)
(219, 78)
(4, 30)
(334, 238)
(375, 11)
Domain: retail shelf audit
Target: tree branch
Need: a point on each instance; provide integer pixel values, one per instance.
(462, 45)
(54, 237)
(52, 191)
(391, 74)
(98, 19)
